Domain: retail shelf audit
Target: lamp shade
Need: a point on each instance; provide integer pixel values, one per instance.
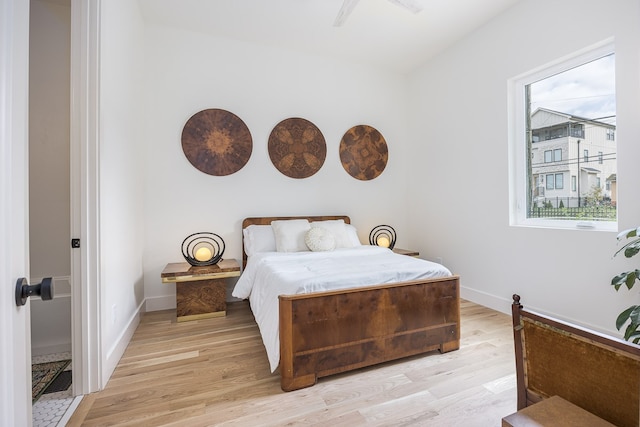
(383, 236)
(201, 249)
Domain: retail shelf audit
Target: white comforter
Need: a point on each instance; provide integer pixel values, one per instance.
(270, 274)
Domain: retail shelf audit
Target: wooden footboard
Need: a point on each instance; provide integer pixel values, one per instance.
(330, 332)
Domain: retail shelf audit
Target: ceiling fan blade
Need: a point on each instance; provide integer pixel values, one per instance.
(345, 11)
(410, 5)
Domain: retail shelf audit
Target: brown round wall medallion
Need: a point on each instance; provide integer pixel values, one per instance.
(297, 148)
(363, 152)
(216, 142)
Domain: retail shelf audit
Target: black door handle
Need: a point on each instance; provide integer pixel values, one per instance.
(24, 290)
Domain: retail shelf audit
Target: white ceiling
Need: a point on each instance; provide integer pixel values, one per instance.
(377, 32)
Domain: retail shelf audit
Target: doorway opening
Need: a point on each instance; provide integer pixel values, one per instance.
(50, 198)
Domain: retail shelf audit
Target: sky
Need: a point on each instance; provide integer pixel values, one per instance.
(587, 91)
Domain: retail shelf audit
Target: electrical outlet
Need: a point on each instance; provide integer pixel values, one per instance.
(114, 313)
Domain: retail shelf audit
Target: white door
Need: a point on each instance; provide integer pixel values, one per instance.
(15, 340)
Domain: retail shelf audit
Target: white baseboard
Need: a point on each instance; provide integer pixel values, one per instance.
(165, 302)
(503, 305)
(500, 304)
(51, 349)
(117, 350)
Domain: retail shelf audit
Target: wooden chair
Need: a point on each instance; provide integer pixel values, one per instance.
(598, 373)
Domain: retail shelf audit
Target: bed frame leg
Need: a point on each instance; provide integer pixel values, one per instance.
(296, 383)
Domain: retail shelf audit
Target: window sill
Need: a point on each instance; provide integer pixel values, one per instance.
(609, 226)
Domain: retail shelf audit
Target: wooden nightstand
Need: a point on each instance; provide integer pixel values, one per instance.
(406, 252)
(201, 292)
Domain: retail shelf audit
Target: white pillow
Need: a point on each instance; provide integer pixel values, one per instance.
(338, 228)
(289, 234)
(352, 232)
(258, 238)
(319, 239)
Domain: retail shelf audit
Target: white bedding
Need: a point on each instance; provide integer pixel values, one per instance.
(270, 274)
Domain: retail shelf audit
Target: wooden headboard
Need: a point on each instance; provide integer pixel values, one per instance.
(266, 220)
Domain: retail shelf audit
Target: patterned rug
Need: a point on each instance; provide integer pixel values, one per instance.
(61, 383)
(42, 374)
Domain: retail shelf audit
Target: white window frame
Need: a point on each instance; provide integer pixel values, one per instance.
(557, 155)
(517, 149)
(550, 181)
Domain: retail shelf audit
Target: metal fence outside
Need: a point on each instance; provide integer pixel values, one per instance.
(601, 213)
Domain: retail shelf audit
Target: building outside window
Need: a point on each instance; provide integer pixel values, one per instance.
(567, 110)
(552, 165)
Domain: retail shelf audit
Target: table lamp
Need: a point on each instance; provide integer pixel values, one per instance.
(202, 249)
(383, 236)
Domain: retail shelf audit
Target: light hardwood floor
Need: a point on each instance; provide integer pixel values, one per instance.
(215, 372)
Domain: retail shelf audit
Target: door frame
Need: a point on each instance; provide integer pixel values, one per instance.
(15, 338)
(15, 333)
(86, 298)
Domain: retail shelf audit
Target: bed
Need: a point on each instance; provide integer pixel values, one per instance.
(317, 321)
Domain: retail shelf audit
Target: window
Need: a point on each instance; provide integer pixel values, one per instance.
(598, 182)
(558, 114)
(553, 155)
(555, 181)
(557, 155)
(550, 182)
(577, 130)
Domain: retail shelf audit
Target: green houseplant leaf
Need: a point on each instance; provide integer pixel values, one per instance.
(626, 315)
(631, 314)
(631, 232)
(631, 248)
(628, 279)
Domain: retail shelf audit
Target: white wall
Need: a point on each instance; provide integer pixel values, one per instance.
(49, 223)
(445, 188)
(459, 207)
(188, 72)
(121, 176)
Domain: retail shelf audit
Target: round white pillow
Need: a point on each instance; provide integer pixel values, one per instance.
(319, 239)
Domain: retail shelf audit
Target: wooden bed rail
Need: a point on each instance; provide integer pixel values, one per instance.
(601, 374)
